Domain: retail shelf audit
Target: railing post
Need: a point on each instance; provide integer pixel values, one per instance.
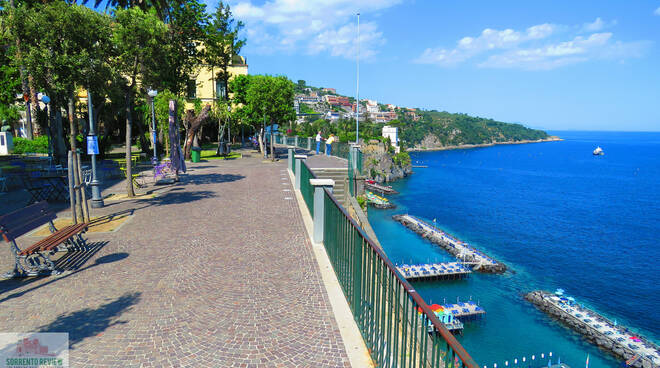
(298, 164)
(296, 141)
(290, 157)
(309, 143)
(319, 201)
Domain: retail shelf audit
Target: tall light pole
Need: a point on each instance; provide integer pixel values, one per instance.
(93, 150)
(46, 100)
(357, 107)
(153, 93)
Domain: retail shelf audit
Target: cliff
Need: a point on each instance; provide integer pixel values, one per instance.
(383, 166)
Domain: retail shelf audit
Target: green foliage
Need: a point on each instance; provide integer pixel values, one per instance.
(62, 45)
(264, 97)
(10, 85)
(304, 109)
(37, 145)
(457, 129)
(401, 159)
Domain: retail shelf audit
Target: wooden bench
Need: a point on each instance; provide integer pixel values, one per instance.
(35, 259)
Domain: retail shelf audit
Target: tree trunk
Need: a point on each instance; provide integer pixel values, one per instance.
(73, 132)
(34, 128)
(58, 135)
(129, 172)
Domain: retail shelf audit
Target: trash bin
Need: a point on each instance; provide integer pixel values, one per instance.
(195, 154)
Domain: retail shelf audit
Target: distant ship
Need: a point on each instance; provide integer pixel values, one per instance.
(598, 151)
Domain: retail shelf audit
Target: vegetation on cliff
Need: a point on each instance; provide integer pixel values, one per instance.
(440, 129)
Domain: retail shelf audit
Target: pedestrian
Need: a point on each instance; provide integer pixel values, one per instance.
(328, 144)
(318, 142)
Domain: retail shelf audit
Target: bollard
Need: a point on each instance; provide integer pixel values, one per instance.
(290, 157)
(298, 164)
(319, 202)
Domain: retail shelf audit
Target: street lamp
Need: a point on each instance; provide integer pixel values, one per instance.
(229, 127)
(46, 100)
(93, 150)
(153, 93)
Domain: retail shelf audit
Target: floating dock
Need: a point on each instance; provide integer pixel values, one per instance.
(383, 189)
(459, 249)
(433, 271)
(378, 201)
(607, 335)
(454, 315)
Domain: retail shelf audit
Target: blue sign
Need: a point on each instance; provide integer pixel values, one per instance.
(275, 128)
(92, 145)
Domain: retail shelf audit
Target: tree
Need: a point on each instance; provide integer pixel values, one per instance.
(10, 86)
(138, 37)
(59, 44)
(265, 99)
(222, 43)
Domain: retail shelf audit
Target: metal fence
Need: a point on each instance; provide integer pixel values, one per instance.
(306, 189)
(396, 324)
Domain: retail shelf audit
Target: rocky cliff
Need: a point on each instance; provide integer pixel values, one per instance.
(382, 166)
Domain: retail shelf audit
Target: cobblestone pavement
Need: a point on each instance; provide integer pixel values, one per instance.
(217, 271)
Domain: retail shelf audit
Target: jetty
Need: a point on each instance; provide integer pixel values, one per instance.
(459, 249)
(636, 350)
(382, 189)
(454, 315)
(434, 271)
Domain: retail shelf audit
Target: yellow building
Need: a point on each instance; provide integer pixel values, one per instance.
(204, 85)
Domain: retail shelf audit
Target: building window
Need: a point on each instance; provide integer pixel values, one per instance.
(191, 88)
(221, 89)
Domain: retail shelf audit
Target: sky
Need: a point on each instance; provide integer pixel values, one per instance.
(554, 65)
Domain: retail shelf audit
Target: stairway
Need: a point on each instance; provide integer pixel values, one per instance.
(340, 176)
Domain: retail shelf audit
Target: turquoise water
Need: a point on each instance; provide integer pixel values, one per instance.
(559, 217)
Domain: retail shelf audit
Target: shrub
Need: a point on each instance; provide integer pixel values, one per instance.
(37, 145)
(402, 159)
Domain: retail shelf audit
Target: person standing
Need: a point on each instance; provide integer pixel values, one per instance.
(328, 144)
(318, 142)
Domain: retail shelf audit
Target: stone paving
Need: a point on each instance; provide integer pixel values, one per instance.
(216, 271)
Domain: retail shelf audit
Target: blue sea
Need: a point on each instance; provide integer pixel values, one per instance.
(559, 217)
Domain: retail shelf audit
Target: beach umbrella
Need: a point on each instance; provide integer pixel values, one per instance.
(436, 307)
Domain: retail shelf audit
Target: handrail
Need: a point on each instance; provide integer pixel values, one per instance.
(467, 360)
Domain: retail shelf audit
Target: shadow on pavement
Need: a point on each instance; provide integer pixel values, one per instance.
(90, 322)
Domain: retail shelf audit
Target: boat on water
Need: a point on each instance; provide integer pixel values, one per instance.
(378, 201)
(598, 151)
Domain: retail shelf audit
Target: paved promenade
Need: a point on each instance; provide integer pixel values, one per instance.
(216, 271)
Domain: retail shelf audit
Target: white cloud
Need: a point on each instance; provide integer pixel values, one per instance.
(539, 47)
(489, 39)
(316, 26)
(657, 11)
(598, 25)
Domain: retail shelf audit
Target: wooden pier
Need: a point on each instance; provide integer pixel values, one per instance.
(380, 188)
(453, 316)
(459, 249)
(434, 271)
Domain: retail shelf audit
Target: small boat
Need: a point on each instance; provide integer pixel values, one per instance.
(598, 151)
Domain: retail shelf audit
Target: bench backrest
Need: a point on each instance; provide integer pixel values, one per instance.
(19, 222)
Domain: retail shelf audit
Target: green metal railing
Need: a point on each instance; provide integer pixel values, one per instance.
(396, 324)
(306, 189)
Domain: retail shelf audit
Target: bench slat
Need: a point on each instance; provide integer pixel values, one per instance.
(54, 239)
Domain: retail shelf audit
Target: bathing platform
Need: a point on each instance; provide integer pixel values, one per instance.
(434, 271)
(459, 249)
(454, 315)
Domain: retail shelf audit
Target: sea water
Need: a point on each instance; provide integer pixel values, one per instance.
(558, 217)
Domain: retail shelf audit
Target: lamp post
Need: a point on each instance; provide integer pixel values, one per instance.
(46, 100)
(93, 150)
(153, 93)
(228, 125)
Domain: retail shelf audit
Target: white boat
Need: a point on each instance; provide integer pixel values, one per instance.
(598, 151)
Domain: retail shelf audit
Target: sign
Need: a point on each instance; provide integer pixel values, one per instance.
(34, 350)
(92, 145)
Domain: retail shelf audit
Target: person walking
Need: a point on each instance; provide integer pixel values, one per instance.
(328, 144)
(318, 142)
